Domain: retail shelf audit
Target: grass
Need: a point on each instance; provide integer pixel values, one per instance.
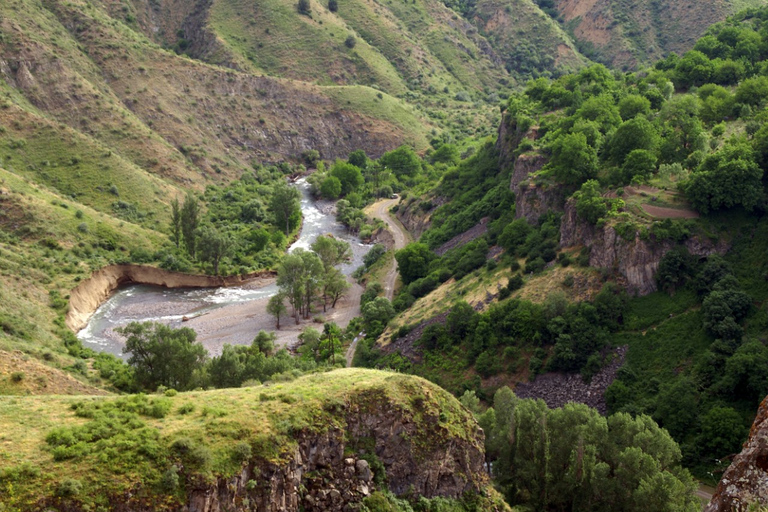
(268, 418)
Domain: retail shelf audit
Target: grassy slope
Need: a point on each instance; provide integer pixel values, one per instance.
(266, 417)
(630, 33)
(526, 37)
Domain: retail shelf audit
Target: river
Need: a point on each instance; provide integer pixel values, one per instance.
(140, 303)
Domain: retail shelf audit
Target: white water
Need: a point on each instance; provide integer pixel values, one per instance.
(140, 303)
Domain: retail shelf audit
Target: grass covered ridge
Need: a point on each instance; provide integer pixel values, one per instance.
(90, 449)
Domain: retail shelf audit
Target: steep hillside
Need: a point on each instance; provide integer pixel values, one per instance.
(321, 442)
(530, 41)
(627, 34)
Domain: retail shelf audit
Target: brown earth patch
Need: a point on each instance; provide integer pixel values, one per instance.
(669, 213)
(32, 377)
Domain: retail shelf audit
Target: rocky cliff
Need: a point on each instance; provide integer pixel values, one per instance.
(745, 482)
(320, 443)
(634, 261)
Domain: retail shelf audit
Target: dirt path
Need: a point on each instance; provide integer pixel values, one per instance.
(704, 493)
(380, 210)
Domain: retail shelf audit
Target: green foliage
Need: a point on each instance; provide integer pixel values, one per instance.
(331, 188)
(403, 162)
(162, 355)
(349, 176)
(574, 161)
(572, 458)
(590, 204)
(413, 261)
(285, 207)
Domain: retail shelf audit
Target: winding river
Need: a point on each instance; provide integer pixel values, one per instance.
(138, 303)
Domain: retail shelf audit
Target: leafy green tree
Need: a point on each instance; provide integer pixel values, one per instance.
(590, 204)
(359, 159)
(677, 407)
(330, 188)
(377, 314)
(746, 372)
(286, 207)
(333, 5)
(403, 162)
(602, 110)
(674, 270)
(752, 91)
(683, 132)
(727, 179)
(190, 220)
(335, 285)
(446, 154)
(176, 224)
(413, 261)
(722, 432)
(693, 69)
(574, 459)
(717, 103)
(276, 307)
(514, 235)
(290, 279)
(573, 159)
(723, 310)
(349, 176)
(304, 7)
(213, 246)
(163, 356)
(640, 163)
(633, 105)
(332, 337)
(637, 133)
(312, 278)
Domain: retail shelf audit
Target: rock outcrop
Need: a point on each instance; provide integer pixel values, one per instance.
(534, 201)
(633, 261)
(91, 293)
(745, 481)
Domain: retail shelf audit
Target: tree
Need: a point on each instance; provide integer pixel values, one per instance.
(350, 41)
(633, 105)
(176, 224)
(573, 159)
(290, 279)
(349, 176)
(722, 432)
(276, 307)
(694, 68)
(162, 355)
(727, 179)
(403, 162)
(312, 278)
(213, 246)
(190, 219)
(637, 133)
(304, 7)
(413, 261)
(286, 207)
(590, 204)
(377, 314)
(574, 459)
(331, 251)
(358, 158)
(330, 188)
(331, 335)
(333, 5)
(640, 163)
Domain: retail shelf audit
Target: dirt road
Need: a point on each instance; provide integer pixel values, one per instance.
(380, 210)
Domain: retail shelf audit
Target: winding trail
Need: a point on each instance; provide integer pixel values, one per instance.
(380, 210)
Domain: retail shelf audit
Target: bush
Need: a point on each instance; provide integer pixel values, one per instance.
(69, 488)
(17, 376)
(350, 42)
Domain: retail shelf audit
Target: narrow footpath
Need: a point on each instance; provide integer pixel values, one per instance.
(380, 210)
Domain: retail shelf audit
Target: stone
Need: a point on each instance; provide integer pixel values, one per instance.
(363, 470)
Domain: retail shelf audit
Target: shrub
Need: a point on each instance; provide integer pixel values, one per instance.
(241, 452)
(350, 42)
(69, 488)
(186, 409)
(17, 376)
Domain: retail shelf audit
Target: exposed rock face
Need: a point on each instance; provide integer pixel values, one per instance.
(534, 201)
(92, 292)
(634, 261)
(525, 165)
(472, 233)
(327, 471)
(746, 479)
(415, 218)
(507, 141)
(558, 389)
